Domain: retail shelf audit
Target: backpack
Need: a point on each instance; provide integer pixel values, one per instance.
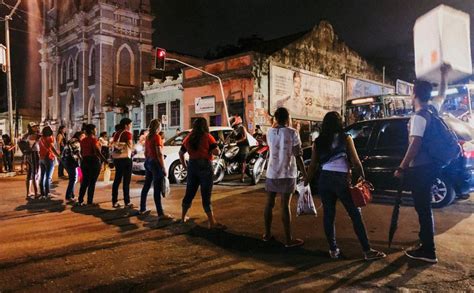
(25, 147)
(439, 141)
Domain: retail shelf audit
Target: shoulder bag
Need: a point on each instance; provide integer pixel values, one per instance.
(120, 150)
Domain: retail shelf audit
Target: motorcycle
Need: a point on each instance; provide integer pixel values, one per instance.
(226, 162)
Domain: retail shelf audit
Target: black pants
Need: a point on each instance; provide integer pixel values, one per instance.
(334, 186)
(420, 180)
(8, 160)
(123, 174)
(90, 167)
(61, 167)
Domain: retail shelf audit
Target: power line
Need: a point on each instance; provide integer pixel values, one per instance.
(24, 11)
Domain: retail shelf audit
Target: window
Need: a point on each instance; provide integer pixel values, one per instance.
(63, 72)
(175, 113)
(393, 134)
(148, 114)
(161, 110)
(215, 120)
(76, 68)
(70, 65)
(92, 63)
(360, 133)
(125, 65)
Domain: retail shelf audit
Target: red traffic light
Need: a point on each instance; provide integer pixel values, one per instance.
(160, 59)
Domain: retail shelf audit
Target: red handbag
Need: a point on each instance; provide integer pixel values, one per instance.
(361, 193)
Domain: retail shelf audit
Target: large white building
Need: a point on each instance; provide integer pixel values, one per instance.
(95, 55)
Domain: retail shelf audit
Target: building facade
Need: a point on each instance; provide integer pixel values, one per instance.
(95, 55)
(251, 89)
(163, 100)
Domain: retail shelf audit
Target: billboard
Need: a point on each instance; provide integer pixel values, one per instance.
(358, 87)
(205, 105)
(404, 88)
(306, 95)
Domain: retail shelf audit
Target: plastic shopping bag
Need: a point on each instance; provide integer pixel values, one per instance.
(79, 174)
(165, 187)
(305, 201)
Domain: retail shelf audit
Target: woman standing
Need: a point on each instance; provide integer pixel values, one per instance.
(284, 159)
(122, 155)
(71, 157)
(31, 153)
(333, 152)
(47, 154)
(61, 142)
(8, 152)
(200, 145)
(154, 167)
(90, 165)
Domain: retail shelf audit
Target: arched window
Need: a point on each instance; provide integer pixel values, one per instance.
(125, 65)
(76, 67)
(92, 62)
(63, 72)
(70, 69)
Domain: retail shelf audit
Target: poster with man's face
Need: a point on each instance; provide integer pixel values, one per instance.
(306, 95)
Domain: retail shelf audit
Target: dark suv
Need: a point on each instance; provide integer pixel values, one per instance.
(382, 143)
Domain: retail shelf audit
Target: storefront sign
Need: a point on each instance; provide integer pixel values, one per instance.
(205, 105)
(307, 95)
(358, 87)
(404, 88)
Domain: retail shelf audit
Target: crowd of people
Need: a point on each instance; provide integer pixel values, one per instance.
(334, 160)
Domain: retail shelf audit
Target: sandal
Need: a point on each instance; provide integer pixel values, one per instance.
(294, 243)
(165, 218)
(267, 238)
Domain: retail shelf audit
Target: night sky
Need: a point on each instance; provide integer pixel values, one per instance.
(380, 30)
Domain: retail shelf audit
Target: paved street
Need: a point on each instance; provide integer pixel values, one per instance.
(48, 246)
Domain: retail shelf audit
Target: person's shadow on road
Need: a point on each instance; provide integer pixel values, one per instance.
(42, 205)
(117, 217)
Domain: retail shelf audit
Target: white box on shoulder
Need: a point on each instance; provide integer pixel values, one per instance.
(442, 36)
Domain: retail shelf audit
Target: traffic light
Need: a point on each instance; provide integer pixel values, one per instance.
(160, 58)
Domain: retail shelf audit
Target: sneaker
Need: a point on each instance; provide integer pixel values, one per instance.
(79, 204)
(129, 205)
(421, 254)
(335, 254)
(143, 213)
(116, 205)
(373, 254)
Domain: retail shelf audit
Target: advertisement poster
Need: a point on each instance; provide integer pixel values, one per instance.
(404, 88)
(205, 105)
(357, 87)
(306, 95)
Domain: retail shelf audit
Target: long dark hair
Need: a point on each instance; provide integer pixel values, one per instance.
(155, 124)
(332, 125)
(60, 129)
(199, 129)
(282, 116)
(47, 131)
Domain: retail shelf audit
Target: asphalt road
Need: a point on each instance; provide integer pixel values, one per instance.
(50, 246)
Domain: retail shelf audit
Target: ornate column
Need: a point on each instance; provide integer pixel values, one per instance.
(44, 91)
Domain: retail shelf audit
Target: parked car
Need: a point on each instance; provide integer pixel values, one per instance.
(176, 172)
(382, 143)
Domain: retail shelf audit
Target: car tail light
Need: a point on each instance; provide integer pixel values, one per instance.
(467, 149)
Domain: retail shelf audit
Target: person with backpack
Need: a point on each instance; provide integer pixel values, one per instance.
(30, 149)
(432, 145)
(90, 165)
(334, 153)
(155, 169)
(122, 146)
(71, 157)
(47, 153)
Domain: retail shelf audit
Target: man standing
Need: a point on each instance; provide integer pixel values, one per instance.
(240, 135)
(419, 171)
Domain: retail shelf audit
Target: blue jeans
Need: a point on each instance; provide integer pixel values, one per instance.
(123, 173)
(420, 180)
(71, 171)
(47, 168)
(333, 186)
(153, 174)
(199, 174)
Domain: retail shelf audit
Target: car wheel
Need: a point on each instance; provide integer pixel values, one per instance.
(177, 172)
(442, 193)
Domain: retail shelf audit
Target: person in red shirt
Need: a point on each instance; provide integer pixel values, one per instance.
(122, 155)
(90, 165)
(47, 155)
(201, 146)
(154, 168)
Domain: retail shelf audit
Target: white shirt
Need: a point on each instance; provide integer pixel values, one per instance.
(282, 142)
(339, 163)
(417, 125)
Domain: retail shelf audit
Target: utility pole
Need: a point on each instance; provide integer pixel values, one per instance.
(9, 69)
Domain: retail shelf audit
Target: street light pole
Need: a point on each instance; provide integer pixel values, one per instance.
(9, 70)
(210, 74)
